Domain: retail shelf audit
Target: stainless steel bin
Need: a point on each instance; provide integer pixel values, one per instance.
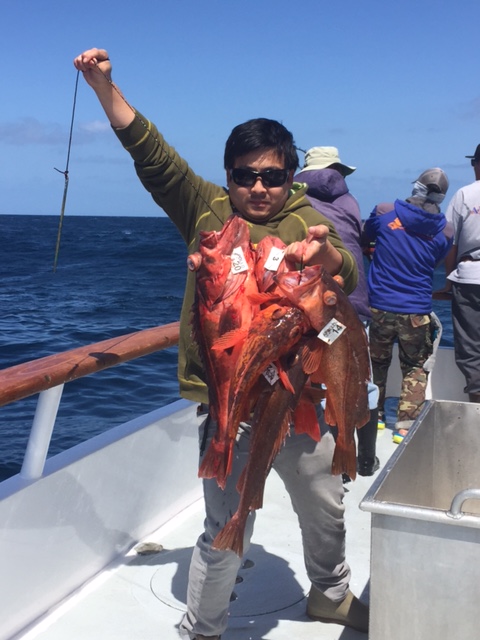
(425, 541)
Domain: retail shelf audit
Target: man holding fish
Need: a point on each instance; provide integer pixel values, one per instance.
(260, 162)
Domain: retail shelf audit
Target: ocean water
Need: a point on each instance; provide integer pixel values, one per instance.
(114, 276)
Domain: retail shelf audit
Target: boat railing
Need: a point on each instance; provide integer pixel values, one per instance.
(47, 376)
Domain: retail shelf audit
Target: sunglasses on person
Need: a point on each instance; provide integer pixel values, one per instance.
(269, 178)
(474, 161)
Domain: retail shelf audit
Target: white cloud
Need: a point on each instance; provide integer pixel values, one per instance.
(30, 131)
(96, 126)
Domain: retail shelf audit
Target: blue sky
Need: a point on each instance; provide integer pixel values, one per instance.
(393, 85)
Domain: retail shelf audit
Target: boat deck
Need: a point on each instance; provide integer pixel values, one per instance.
(142, 597)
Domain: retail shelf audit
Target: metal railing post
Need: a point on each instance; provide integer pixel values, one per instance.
(41, 433)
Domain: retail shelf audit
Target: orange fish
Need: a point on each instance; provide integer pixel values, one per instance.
(273, 415)
(225, 278)
(273, 332)
(343, 365)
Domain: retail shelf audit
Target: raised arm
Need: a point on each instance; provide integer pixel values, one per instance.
(97, 71)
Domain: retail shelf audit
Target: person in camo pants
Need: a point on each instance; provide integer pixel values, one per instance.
(414, 335)
(411, 237)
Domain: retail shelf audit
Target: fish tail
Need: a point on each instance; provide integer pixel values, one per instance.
(230, 538)
(213, 464)
(345, 459)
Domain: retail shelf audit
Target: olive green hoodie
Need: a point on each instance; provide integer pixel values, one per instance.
(194, 204)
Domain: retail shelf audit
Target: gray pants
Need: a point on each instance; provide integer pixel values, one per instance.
(466, 333)
(316, 495)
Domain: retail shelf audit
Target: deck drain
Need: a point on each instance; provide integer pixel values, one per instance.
(265, 583)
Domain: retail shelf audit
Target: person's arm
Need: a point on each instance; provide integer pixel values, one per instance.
(451, 260)
(450, 263)
(97, 71)
(451, 257)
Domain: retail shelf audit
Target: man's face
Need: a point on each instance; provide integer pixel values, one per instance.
(258, 202)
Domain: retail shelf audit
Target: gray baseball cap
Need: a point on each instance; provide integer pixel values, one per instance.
(435, 180)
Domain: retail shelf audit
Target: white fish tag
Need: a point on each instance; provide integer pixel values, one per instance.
(271, 374)
(274, 259)
(239, 263)
(331, 331)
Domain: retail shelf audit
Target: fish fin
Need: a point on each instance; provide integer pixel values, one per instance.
(230, 339)
(280, 439)
(345, 459)
(262, 298)
(285, 380)
(306, 421)
(228, 459)
(230, 538)
(330, 415)
(312, 357)
(232, 285)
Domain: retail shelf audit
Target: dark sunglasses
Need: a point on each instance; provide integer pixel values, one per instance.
(269, 178)
(474, 161)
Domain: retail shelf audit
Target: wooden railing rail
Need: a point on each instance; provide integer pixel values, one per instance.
(29, 378)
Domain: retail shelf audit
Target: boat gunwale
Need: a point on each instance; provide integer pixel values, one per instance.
(28, 378)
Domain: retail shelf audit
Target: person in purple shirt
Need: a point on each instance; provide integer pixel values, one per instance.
(411, 237)
(328, 193)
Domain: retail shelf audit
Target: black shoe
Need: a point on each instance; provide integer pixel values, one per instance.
(367, 466)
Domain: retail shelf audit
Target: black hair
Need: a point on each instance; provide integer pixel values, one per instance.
(261, 133)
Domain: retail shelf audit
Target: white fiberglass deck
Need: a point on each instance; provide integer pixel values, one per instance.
(142, 597)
